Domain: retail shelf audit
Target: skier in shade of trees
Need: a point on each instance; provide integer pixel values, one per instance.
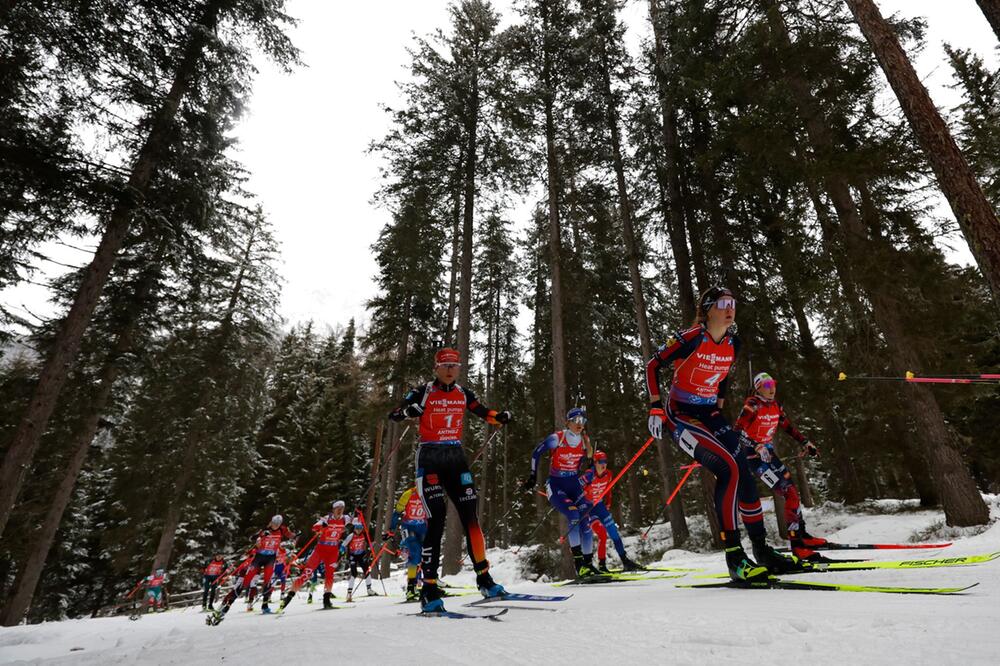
(266, 546)
(702, 357)
(359, 558)
(410, 515)
(442, 469)
(762, 415)
(332, 531)
(571, 453)
(595, 481)
(210, 580)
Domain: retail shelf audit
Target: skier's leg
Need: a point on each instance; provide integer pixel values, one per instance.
(206, 584)
(601, 534)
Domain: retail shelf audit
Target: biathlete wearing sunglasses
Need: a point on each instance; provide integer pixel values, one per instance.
(693, 416)
(442, 470)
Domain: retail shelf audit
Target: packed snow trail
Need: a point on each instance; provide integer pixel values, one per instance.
(637, 622)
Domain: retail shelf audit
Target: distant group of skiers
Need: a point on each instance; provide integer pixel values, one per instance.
(700, 359)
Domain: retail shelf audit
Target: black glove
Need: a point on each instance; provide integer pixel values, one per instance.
(387, 535)
(503, 417)
(409, 412)
(529, 482)
(810, 449)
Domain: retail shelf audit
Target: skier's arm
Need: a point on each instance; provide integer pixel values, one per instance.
(747, 416)
(547, 444)
(410, 407)
(397, 513)
(491, 416)
(679, 345)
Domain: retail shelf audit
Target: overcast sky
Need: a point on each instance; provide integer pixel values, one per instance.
(305, 136)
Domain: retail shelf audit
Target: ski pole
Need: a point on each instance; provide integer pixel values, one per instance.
(371, 547)
(912, 378)
(618, 477)
(135, 589)
(482, 449)
(690, 468)
(378, 476)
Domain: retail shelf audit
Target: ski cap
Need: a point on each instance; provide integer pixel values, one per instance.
(277, 519)
(447, 356)
(159, 572)
(600, 457)
(711, 296)
(762, 379)
(339, 503)
(577, 415)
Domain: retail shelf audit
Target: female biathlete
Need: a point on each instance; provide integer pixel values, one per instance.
(443, 473)
(701, 357)
(571, 456)
(762, 415)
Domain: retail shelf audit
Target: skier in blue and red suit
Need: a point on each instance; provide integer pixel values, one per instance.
(761, 417)
(571, 453)
(595, 481)
(442, 470)
(701, 358)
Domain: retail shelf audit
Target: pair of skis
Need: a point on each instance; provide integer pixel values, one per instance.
(498, 611)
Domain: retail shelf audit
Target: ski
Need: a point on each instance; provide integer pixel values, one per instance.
(513, 596)
(773, 583)
(658, 569)
(868, 565)
(462, 616)
(905, 564)
(600, 579)
(829, 545)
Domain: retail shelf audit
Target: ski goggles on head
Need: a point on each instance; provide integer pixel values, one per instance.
(582, 420)
(726, 302)
(768, 384)
(454, 366)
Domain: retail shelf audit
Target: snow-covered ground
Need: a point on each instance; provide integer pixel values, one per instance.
(640, 622)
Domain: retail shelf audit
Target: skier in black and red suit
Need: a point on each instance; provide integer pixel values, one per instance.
(762, 415)
(701, 358)
(210, 580)
(443, 470)
(268, 541)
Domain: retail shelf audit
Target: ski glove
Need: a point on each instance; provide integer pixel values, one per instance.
(497, 418)
(529, 482)
(656, 417)
(409, 412)
(810, 449)
(764, 453)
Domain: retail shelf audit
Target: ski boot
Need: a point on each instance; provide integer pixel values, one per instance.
(488, 587)
(430, 598)
(602, 566)
(371, 592)
(326, 600)
(350, 596)
(411, 593)
(584, 564)
(265, 610)
(741, 568)
(776, 562)
(802, 544)
(287, 600)
(629, 565)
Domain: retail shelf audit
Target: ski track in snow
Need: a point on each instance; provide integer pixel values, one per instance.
(636, 622)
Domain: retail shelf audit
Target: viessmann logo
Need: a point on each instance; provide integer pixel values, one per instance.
(714, 358)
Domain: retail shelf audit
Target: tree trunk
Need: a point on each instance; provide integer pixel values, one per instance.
(387, 492)
(963, 505)
(991, 8)
(27, 580)
(972, 210)
(451, 553)
(376, 469)
(34, 422)
(555, 233)
(199, 420)
(456, 234)
(671, 192)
